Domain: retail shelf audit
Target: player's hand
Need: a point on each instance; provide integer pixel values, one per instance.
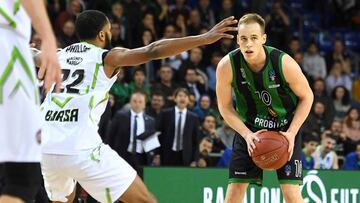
(249, 138)
(50, 70)
(220, 29)
(291, 138)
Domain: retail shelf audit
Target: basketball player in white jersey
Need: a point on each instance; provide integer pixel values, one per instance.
(19, 98)
(73, 150)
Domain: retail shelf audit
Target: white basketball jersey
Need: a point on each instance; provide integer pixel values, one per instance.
(13, 16)
(71, 117)
(325, 162)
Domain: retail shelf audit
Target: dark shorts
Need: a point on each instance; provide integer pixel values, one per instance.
(242, 169)
(21, 180)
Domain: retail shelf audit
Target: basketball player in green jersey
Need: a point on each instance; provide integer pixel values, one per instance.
(271, 94)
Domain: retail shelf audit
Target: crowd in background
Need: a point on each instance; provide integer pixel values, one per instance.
(322, 36)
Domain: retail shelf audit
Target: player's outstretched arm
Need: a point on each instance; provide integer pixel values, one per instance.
(118, 57)
(224, 78)
(50, 67)
(300, 86)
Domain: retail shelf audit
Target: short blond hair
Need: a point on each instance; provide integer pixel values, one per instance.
(253, 18)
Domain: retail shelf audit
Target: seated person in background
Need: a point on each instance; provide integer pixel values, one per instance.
(208, 129)
(205, 148)
(353, 159)
(310, 144)
(324, 156)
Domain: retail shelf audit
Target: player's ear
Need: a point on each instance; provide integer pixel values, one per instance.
(102, 35)
(264, 36)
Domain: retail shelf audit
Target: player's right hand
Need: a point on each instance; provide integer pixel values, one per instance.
(249, 138)
(50, 70)
(220, 29)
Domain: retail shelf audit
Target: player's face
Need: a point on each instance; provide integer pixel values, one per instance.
(250, 38)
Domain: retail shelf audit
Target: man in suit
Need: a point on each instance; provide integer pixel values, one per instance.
(193, 84)
(131, 125)
(179, 132)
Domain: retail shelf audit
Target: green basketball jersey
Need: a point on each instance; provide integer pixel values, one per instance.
(264, 99)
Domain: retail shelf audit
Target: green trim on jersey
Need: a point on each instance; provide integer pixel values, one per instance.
(108, 197)
(16, 55)
(264, 99)
(11, 21)
(16, 88)
(17, 6)
(96, 72)
(60, 103)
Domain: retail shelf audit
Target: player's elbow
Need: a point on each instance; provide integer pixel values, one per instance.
(152, 51)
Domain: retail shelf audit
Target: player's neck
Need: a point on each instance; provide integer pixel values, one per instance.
(93, 42)
(257, 64)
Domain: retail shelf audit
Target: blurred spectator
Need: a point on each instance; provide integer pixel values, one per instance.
(156, 105)
(318, 87)
(194, 23)
(356, 90)
(336, 129)
(294, 46)
(67, 36)
(166, 85)
(179, 8)
(203, 108)
(194, 61)
(337, 78)
(139, 83)
(208, 129)
(180, 22)
(352, 128)
(341, 101)
(353, 159)
(129, 130)
(317, 120)
(339, 54)
(227, 10)
(324, 156)
(192, 102)
(160, 10)
(278, 25)
(194, 83)
(206, 13)
(226, 134)
(75, 7)
(116, 33)
(179, 132)
(224, 160)
(205, 148)
(150, 66)
(310, 144)
(132, 12)
(314, 63)
(211, 73)
(122, 24)
(120, 90)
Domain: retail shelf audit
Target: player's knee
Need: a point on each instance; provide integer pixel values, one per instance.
(291, 193)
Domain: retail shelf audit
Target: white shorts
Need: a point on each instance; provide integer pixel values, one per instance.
(19, 101)
(101, 172)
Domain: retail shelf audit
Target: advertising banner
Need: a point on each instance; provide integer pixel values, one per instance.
(208, 185)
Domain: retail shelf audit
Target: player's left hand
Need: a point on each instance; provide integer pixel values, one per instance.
(291, 138)
(220, 29)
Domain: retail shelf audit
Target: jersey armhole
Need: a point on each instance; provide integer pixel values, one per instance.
(103, 57)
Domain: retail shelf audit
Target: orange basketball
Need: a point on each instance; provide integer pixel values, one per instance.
(271, 151)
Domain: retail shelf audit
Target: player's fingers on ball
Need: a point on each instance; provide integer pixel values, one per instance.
(41, 72)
